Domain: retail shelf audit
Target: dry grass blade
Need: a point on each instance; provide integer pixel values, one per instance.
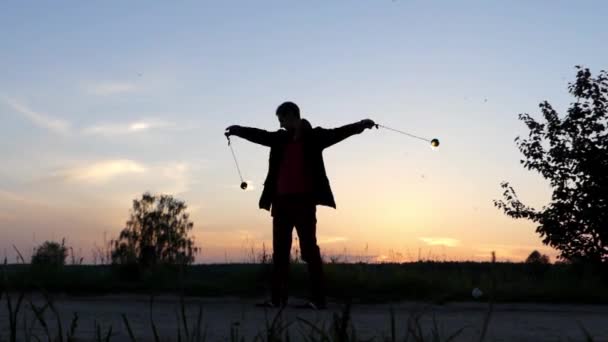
(49, 301)
(435, 331)
(97, 333)
(342, 322)
(73, 327)
(179, 328)
(13, 314)
(199, 321)
(109, 335)
(26, 332)
(204, 337)
(19, 254)
(588, 336)
(414, 328)
(234, 332)
(39, 313)
(184, 319)
(129, 330)
(274, 332)
(455, 334)
(393, 325)
(322, 334)
(154, 330)
(486, 321)
(179, 334)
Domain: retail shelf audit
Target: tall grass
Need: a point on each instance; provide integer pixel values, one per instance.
(341, 328)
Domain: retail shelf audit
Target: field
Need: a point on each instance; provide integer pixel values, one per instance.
(365, 283)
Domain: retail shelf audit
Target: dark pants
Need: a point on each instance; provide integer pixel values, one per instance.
(298, 212)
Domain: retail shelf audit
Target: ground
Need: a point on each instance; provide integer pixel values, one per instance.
(509, 322)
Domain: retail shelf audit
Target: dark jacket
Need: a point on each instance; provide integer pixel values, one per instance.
(314, 142)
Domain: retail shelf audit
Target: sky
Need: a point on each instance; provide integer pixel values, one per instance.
(103, 101)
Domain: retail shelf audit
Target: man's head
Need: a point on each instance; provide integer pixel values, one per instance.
(288, 114)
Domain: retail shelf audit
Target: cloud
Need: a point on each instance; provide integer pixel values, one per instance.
(102, 171)
(125, 128)
(60, 126)
(178, 174)
(511, 252)
(42, 120)
(129, 176)
(440, 241)
(17, 198)
(111, 88)
(393, 258)
(381, 258)
(6, 216)
(332, 239)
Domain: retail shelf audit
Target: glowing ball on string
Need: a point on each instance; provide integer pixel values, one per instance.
(244, 185)
(435, 142)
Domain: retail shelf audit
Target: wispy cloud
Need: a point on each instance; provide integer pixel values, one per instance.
(102, 171)
(178, 175)
(111, 88)
(511, 252)
(332, 239)
(393, 258)
(440, 241)
(126, 128)
(131, 176)
(37, 118)
(6, 216)
(17, 198)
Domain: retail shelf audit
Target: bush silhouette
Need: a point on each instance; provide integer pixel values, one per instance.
(156, 233)
(50, 253)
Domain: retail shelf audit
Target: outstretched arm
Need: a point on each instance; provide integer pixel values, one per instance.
(255, 135)
(329, 137)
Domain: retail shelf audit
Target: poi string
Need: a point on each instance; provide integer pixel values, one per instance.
(243, 183)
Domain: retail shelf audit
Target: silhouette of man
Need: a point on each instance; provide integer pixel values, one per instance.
(296, 183)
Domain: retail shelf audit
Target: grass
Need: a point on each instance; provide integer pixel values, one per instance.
(276, 329)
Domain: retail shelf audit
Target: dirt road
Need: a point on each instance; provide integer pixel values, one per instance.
(509, 322)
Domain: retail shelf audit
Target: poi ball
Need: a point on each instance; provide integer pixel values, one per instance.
(244, 185)
(435, 142)
(476, 293)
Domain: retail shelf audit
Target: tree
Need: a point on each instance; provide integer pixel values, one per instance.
(572, 154)
(50, 253)
(537, 264)
(536, 258)
(156, 232)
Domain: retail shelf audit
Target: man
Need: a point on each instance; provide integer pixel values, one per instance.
(296, 183)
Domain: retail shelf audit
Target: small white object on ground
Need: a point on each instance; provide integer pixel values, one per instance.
(477, 293)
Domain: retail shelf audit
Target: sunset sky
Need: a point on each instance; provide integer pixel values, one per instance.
(100, 102)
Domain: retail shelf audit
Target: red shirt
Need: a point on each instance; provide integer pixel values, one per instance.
(293, 178)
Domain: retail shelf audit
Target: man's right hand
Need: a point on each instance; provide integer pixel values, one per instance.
(232, 130)
(367, 123)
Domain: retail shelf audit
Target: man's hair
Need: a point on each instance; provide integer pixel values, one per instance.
(288, 107)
